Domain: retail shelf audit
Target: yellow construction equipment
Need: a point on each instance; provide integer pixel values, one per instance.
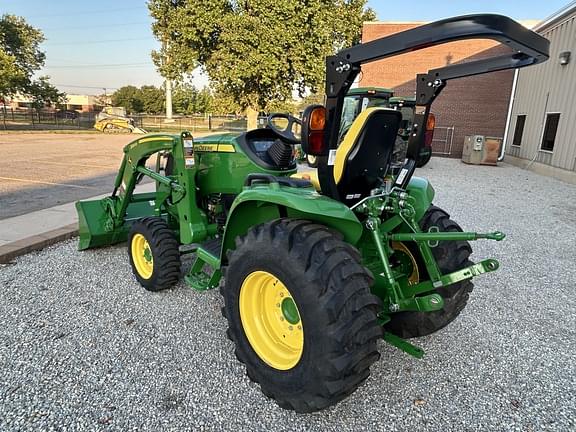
(115, 120)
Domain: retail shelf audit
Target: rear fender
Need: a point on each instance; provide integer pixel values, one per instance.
(260, 204)
(422, 192)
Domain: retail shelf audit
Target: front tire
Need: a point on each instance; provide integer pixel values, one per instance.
(450, 256)
(321, 347)
(154, 254)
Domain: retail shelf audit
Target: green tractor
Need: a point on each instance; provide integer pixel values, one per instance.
(313, 272)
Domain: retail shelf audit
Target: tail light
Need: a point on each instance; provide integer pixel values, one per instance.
(429, 133)
(313, 125)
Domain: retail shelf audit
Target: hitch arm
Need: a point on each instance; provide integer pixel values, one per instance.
(485, 266)
(435, 236)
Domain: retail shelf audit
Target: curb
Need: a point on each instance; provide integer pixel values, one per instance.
(37, 242)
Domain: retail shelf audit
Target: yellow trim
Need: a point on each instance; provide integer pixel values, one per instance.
(223, 148)
(277, 342)
(344, 149)
(311, 176)
(349, 140)
(226, 148)
(142, 256)
(205, 147)
(166, 138)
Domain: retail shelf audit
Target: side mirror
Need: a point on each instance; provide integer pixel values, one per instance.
(313, 125)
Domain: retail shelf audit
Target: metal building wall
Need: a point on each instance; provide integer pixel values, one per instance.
(549, 87)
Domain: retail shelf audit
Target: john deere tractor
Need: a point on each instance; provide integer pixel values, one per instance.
(314, 271)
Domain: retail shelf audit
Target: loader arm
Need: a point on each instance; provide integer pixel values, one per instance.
(527, 47)
(103, 222)
(135, 156)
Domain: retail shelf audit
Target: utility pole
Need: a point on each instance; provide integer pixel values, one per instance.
(169, 101)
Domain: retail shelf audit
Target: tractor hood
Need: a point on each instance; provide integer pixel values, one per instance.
(217, 138)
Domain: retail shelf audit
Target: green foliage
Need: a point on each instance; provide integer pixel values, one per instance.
(153, 99)
(128, 97)
(20, 57)
(187, 99)
(21, 41)
(311, 99)
(43, 93)
(258, 52)
(13, 78)
(223, 103)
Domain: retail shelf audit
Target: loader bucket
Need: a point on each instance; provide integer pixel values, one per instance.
(95, 226)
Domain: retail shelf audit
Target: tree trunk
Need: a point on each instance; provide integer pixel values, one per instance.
(252, 117)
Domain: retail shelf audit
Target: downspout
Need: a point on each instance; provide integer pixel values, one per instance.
(509, 117)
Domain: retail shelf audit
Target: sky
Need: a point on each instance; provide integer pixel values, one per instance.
(97, 47)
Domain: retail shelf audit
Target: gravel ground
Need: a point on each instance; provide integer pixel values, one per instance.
(83, 347)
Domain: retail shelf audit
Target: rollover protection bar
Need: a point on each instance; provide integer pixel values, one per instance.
(527, 48)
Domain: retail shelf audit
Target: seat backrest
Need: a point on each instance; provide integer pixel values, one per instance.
(363, 157)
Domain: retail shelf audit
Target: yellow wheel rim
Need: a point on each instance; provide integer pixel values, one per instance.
(271, 320)
(142, 256)
(414, 276)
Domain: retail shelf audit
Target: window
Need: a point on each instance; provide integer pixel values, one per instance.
(519, 131)
(550, 129)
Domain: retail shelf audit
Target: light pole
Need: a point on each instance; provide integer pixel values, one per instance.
(169, 101)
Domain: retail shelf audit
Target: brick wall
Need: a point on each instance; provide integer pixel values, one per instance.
(474, 105)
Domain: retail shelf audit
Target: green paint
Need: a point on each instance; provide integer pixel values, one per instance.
(218, 165)
(404, 345)
(290, 311)
(147, 254)
(199, 277)
(259, 204)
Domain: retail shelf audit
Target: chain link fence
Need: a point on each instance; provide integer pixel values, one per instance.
(31, 119)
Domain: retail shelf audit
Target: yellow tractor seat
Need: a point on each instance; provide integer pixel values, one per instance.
(363, 156)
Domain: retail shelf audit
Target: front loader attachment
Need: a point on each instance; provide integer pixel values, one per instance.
(94, 227)
(97, 225)
(107, 221)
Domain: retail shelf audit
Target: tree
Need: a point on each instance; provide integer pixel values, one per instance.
(128, 97)
(43, 93)
(187, 99)
(20, 58)
(258, 52)
(152, 99)
(20, 55)
(224, 104)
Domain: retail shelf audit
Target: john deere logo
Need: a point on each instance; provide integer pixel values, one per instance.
(206, 147)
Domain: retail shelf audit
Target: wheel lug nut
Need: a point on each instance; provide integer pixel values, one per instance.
(281, 318)
(291, 328)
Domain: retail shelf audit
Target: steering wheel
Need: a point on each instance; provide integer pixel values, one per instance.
(287, 133)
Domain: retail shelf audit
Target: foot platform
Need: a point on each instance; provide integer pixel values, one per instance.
(205, 273)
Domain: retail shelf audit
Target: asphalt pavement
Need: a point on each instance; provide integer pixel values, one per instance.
(84, 347)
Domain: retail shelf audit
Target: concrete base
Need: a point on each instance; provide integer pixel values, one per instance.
(542, 169)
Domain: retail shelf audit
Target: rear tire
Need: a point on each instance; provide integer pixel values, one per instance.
(154, 254)
(450, 256)
(337, 313)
